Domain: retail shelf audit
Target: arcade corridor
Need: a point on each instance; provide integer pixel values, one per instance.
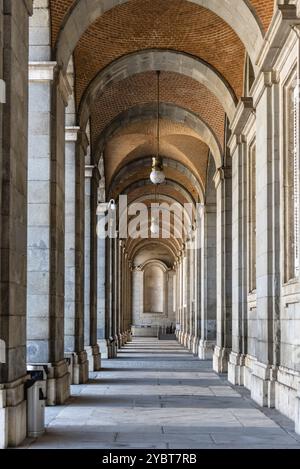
(150, 184)
(157, 395)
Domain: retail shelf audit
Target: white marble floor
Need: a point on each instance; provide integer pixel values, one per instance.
(156, 395)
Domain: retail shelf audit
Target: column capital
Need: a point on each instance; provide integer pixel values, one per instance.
(236, 140)
(92, 172)
(219, 177)
(271, 77)
(72, 133)
(88, 173)
(221, 174)
(101, 208)
(64, 86)
(42, 71)
(49, 71)
(243, 112)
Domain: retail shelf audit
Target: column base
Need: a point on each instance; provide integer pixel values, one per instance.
(103, 347)
(129, 336)
(120, 341)
(179, 337)
(236, 369)
(263, 381)
(124, 338)
(184, 338)
(94, 357)
(112, 349)
(206, 349)
(13, 418)
(195, 345)
(189, 342)
(220, 359)
(78, 368)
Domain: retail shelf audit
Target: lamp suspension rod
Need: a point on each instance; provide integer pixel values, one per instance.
(158, 111)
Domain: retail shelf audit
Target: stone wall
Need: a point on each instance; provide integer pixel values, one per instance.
(13, 217)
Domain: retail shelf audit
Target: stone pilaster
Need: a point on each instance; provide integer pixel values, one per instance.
(128, 312)
(90, 276)
(239, 262)
(264, 373)
(222, 181)
(109, 303)
(197, 293)
(101, 328)
(208, 282)
(48, 96)
(120, 302)
(76, 146)
(239, 154)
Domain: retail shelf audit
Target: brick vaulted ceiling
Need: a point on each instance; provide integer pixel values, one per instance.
(142, 89)
(137, 140)
(178, 25)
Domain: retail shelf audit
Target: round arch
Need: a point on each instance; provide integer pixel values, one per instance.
(146, 182)
(169, 111)
(238, 15)
(164, 60)
(168, 162)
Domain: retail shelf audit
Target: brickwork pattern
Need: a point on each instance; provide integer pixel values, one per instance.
(140, 89)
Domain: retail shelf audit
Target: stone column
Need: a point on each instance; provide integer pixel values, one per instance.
(128, 322)
(76, 146)
(120, 302)
(170, 287)
(180, 281)
(101, 337)
(183, 298)
(109, 305)
(208, 282)
(124, 334)
(90, 263)
(116, 291)
(178, 299)
(128, 278)
(264, 373)
(189, 299)
(197, 294)
(13, 218)
(48, 96)
(239, 262)
(192, 294)
(224, 269)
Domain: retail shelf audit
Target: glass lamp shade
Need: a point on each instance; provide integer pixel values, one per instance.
(154, 228)
(112, 205)
(157, 176)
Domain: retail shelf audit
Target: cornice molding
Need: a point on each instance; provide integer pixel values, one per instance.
(42, 71)
(72, 133)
